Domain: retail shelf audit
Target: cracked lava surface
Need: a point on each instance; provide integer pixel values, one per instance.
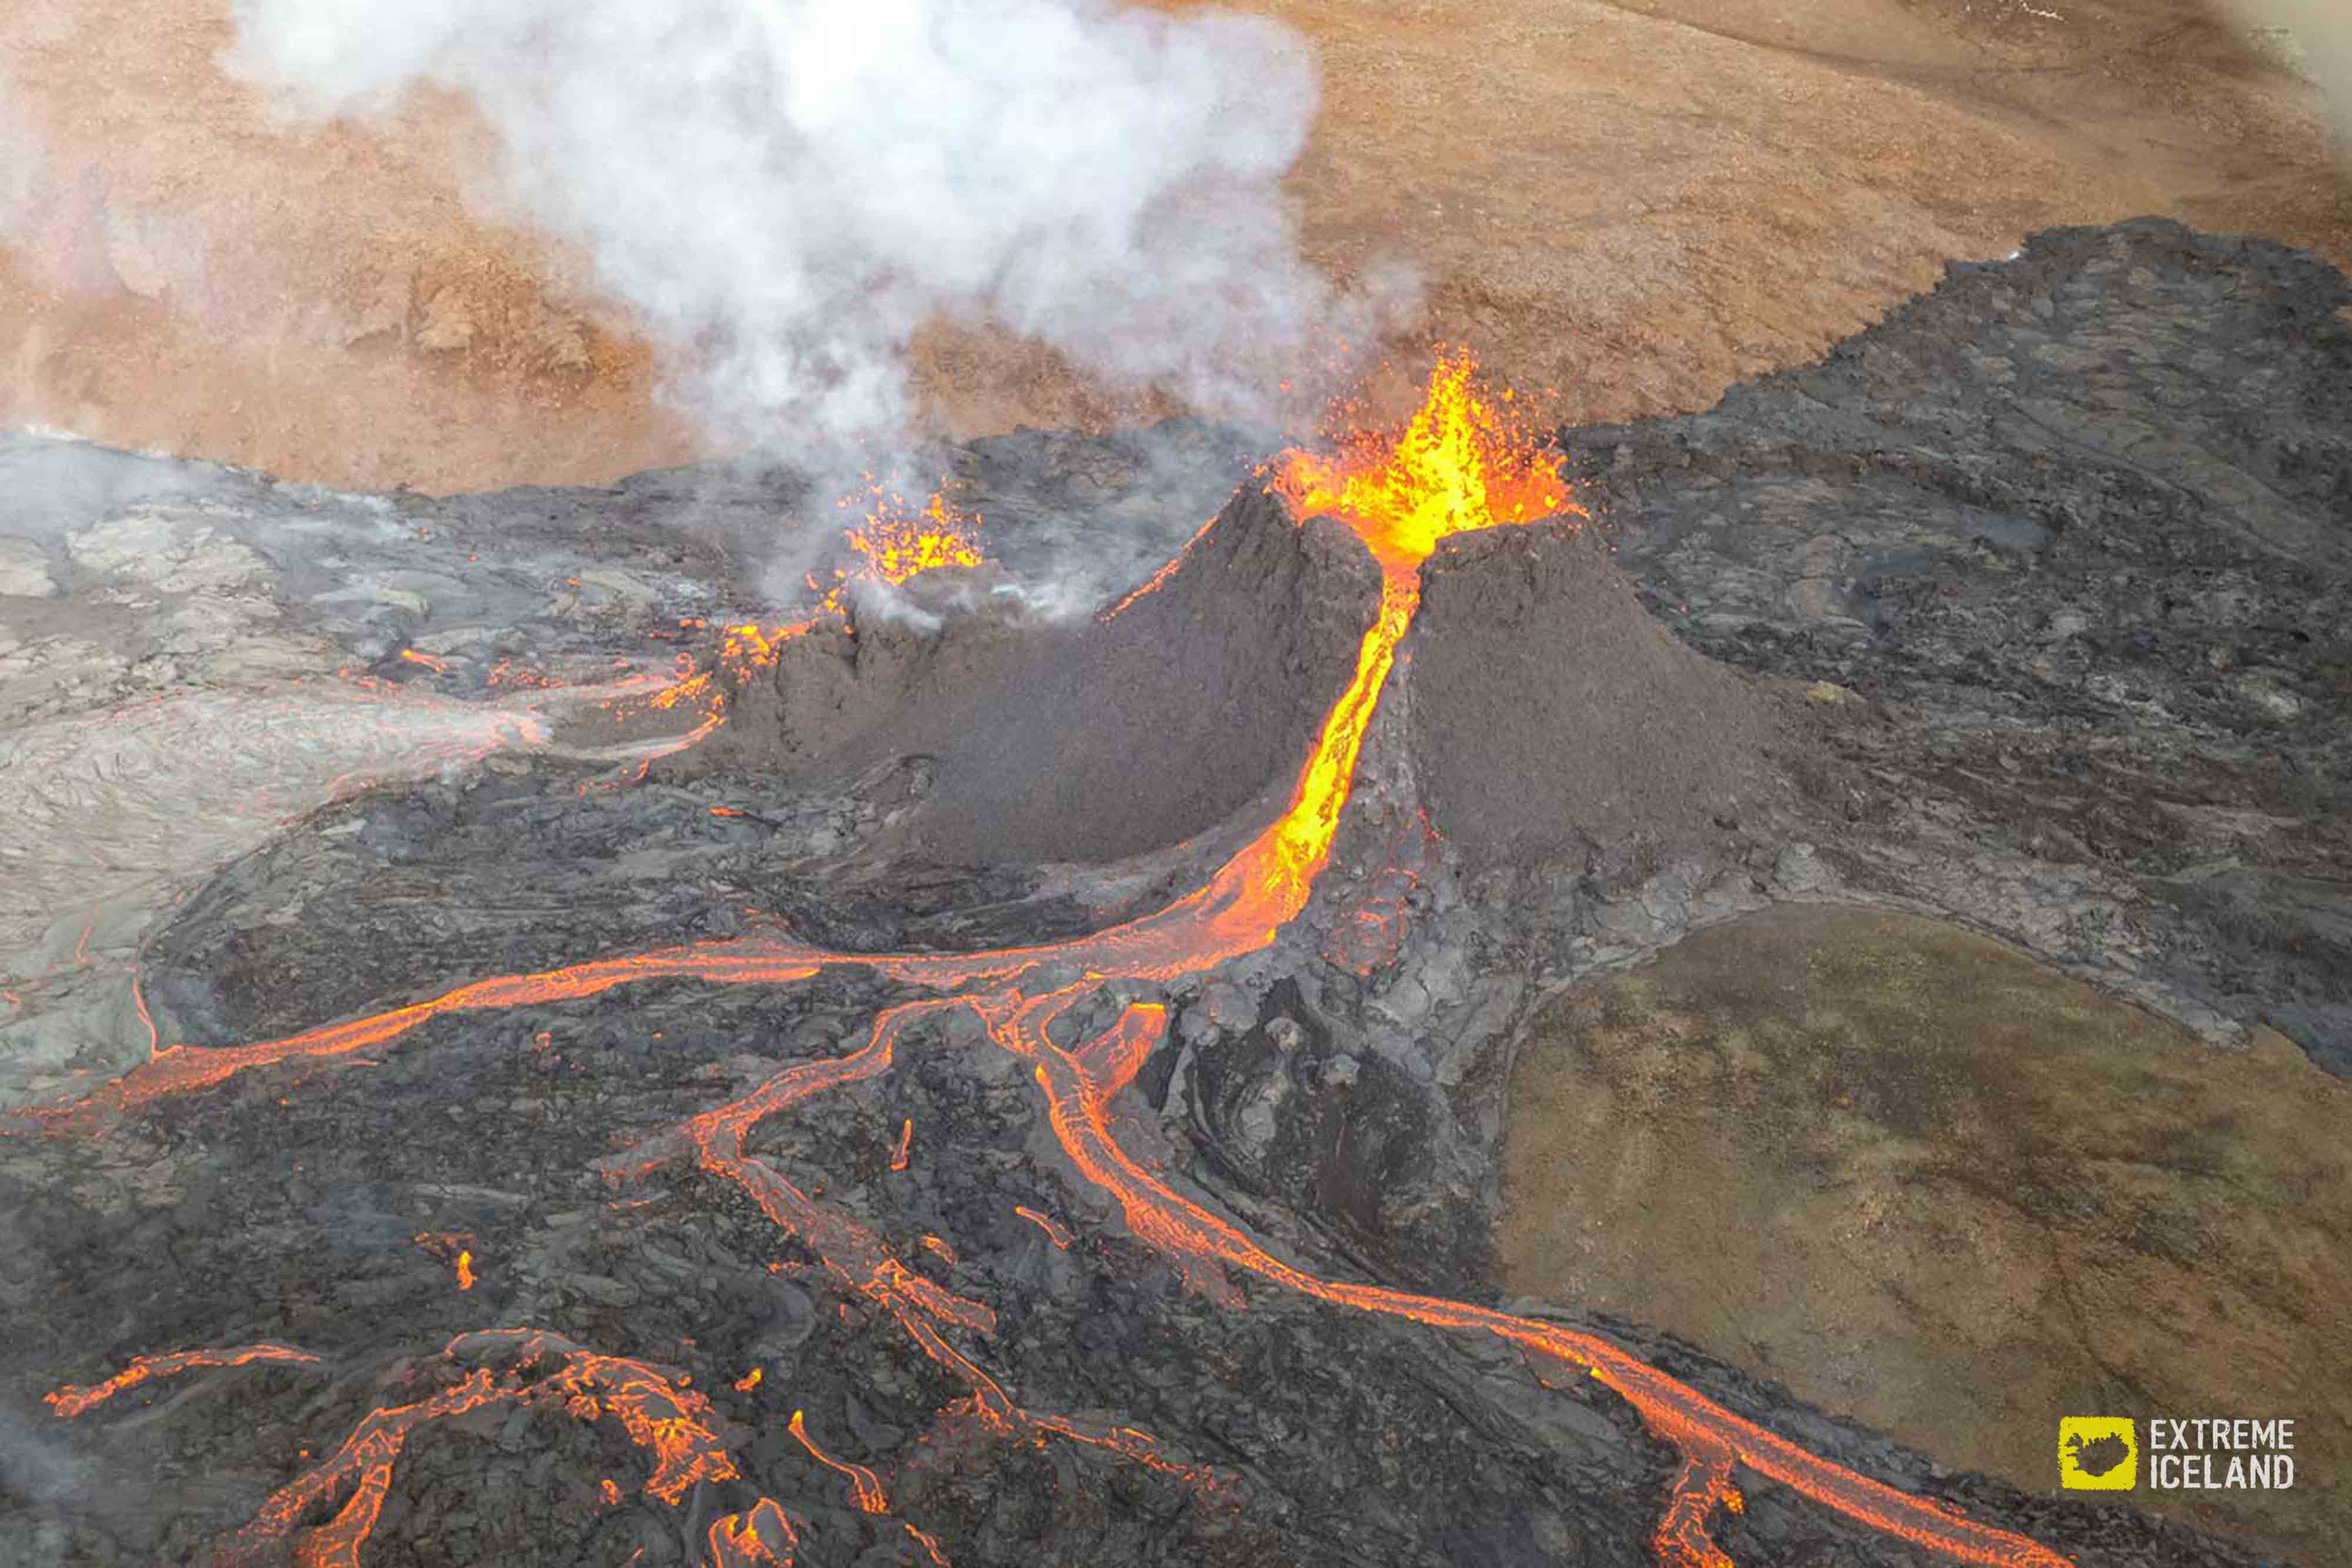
(1458, 466)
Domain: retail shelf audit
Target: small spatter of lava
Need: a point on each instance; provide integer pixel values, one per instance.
(893, 543)
(896, 543)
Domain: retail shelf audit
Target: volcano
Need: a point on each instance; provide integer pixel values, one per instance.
(928, 1076)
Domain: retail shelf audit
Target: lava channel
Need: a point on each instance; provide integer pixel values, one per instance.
(1456, 467)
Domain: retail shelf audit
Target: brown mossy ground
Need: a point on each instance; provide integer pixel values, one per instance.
(1924, 1181)
(1638, 202)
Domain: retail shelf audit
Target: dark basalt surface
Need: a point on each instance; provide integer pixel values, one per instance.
(2077, 529)
(2012, 537)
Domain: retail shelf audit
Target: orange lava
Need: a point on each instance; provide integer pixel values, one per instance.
(1459, 465)
(1710, 1437)
(930, 1547)
(1113, 1060)
(865, 1487)
(73, 1399)
(464, 1271)
(1046, 1223)
(895, 544)
(544, 1370)
(1168, 569)
(906, 1139)
(764, 1534)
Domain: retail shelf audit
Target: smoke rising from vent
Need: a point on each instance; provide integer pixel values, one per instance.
(786, 190)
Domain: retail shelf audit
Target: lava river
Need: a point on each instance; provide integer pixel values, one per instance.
(1457, 466)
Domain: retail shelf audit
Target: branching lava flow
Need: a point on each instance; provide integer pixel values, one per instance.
(1460, 465)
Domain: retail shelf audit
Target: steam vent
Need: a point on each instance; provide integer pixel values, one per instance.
(1456, 992)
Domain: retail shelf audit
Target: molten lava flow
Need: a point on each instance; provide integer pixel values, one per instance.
(546, 1370)
(1046, 1223)
(74, 1399)
(765, 1534)
(895, 544)
(865, 1487)
(931, 1546)
(853, 1254)
(1459, 465)
(1711, 1438)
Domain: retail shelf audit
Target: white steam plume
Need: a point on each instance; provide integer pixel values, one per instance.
(2321, 46)
(787, 189)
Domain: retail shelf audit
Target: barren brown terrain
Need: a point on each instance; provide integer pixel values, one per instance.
(1915, 1176)
(1635, 203)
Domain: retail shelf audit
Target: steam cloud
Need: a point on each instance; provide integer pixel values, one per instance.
(787, 189)
(2322, 32)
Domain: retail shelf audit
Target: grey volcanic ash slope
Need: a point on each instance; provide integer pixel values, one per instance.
(1551, 714)
(1081, 739)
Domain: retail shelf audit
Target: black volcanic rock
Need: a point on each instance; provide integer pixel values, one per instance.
(2072, 539)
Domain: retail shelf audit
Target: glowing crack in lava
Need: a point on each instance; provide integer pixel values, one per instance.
(73, 1400)
(1460, 465)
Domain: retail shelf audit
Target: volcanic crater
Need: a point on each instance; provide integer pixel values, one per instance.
(940, 1081)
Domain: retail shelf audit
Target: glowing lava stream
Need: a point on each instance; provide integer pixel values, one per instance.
(1455, 467)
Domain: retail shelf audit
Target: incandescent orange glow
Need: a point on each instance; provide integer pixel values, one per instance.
(1457, 466)
(931, 1546)
(74, 1399)
(543, 1369)
(464, 1271)
(864, 1486)
(764, 1535)
(750, 1380)
(897, 545)
(906, 1138)
(893, 543)
(1460, 463)
(1046, 1223)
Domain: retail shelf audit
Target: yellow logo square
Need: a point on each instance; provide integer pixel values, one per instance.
(2098, 1453)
